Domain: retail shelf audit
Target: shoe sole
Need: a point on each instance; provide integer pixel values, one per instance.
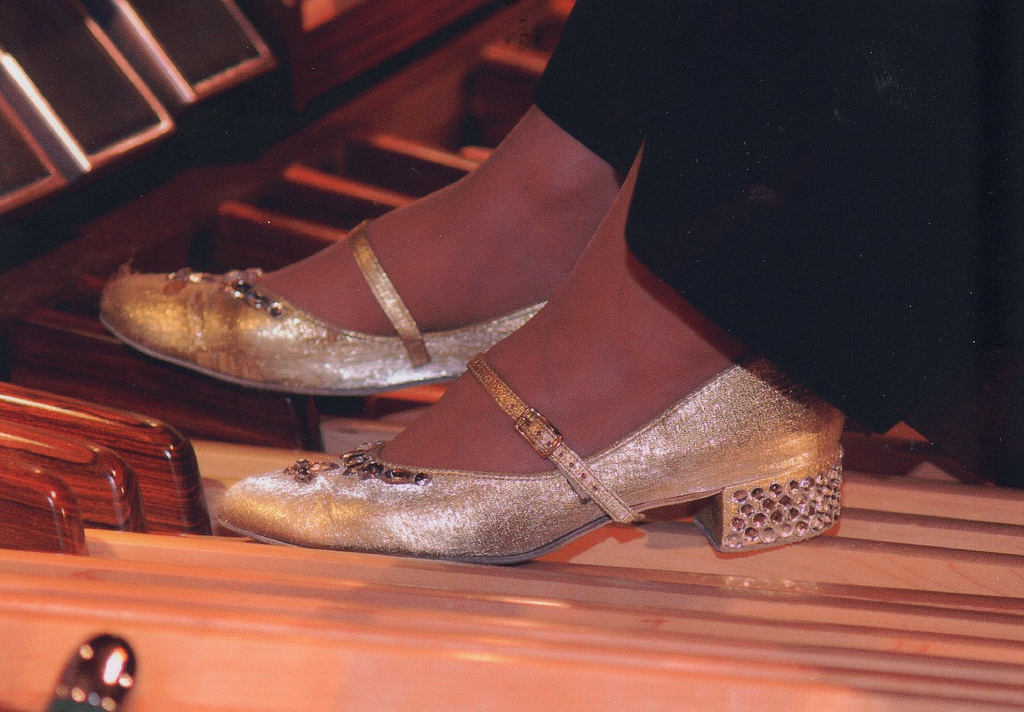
(270, 387)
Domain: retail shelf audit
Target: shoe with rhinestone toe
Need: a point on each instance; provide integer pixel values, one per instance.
(227, 327)
(762, 450)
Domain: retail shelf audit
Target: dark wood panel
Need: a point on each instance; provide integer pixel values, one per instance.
(38, 512)
(104, 485)
(161, 457)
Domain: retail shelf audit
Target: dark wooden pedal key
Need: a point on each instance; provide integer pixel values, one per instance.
(104, 485)
(38, 512)
(161, 457)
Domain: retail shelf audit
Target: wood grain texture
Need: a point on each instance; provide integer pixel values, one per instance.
(38, 511)
(104, 485)
(160, 456)
(294, 608)
(73, 354)
(320, 623)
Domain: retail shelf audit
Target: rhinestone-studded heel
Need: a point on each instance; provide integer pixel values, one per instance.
(772, 511)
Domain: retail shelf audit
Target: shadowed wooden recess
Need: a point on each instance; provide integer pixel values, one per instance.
(104, 485)
(162, 458)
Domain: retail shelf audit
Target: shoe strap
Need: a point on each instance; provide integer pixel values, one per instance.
(545, 439)
(387, 296)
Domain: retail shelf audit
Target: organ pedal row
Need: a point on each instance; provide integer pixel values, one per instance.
(914, 602)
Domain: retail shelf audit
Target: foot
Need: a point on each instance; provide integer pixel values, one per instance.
(500, 239)
(613, 349)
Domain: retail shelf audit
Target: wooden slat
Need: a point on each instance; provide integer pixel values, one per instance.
(854, 647)
(314, 195)
(400, 164)
(934, 499)
(679, 546)
(981, 557)
(161, 458)
(104, 485)
(774, 600)
(38, 512)
(476, 153)
(197, 666)
(436, 614)
(945, 532)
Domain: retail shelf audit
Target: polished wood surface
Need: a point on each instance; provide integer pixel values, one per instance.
(104, 486)
(160, 456)
(654, 635)
(38, 511)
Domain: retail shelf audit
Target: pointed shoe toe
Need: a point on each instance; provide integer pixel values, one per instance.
(761, 450)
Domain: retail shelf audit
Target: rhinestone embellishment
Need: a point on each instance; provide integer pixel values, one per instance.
(361, 462)
(237, 284)
(305, 471)
(778, 511)
(773, 511)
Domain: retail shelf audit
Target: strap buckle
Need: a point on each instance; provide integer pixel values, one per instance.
(539, 432)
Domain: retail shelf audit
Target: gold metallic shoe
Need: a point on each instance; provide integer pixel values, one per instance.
(228, 328)
(764, 450)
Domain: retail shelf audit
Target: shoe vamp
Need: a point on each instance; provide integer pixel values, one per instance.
(452, 516)
(183, 320)
(144, 309)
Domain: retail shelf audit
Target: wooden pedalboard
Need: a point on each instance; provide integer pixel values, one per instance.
(914, 602)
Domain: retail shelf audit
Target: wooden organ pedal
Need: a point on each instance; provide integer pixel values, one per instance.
(915, 602)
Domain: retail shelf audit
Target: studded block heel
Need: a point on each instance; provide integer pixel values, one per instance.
(748, 419)
(772, 512)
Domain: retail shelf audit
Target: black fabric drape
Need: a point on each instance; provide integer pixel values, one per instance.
(836, 184)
